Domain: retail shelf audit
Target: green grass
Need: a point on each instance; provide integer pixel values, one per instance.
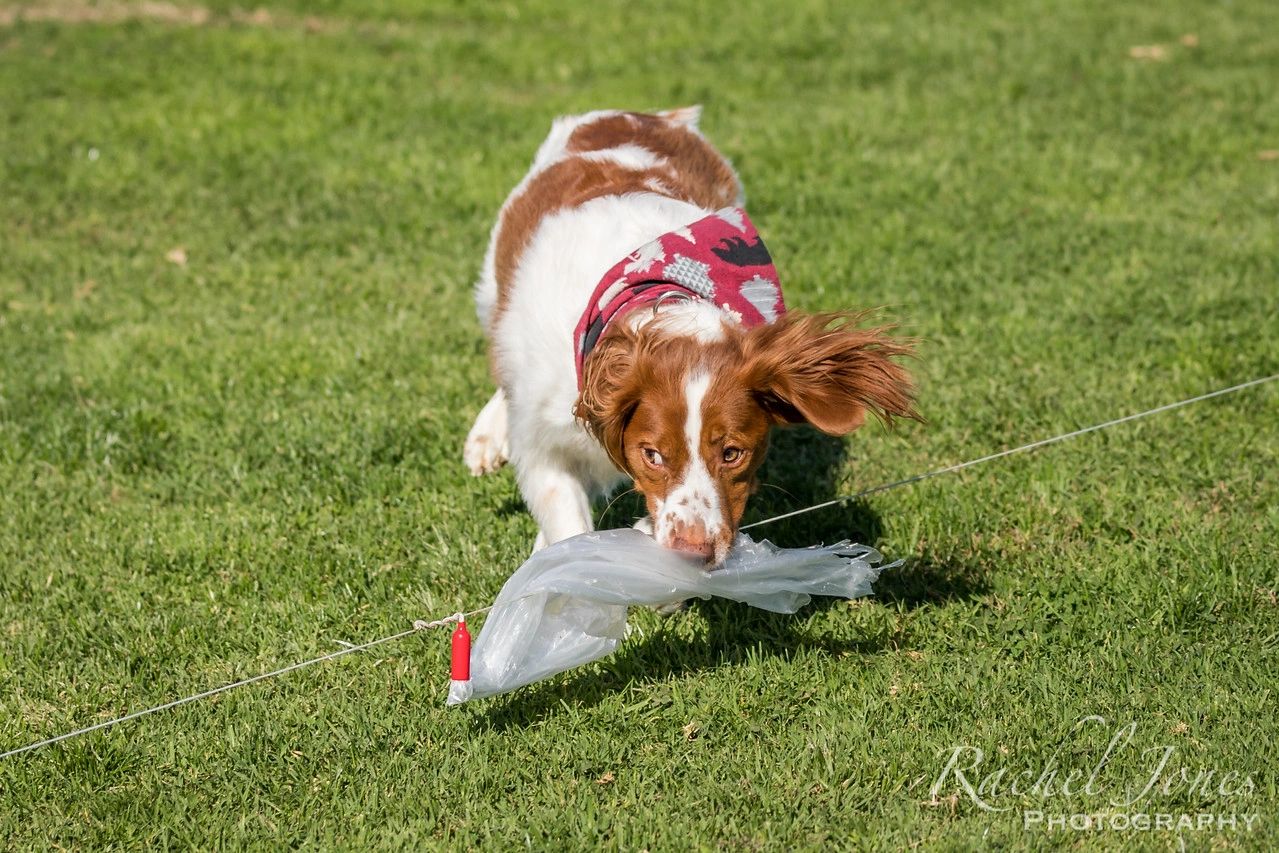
(212, 469)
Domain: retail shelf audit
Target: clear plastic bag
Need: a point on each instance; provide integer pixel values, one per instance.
(566, 605)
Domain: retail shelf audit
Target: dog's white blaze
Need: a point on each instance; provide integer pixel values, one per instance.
(695, 499)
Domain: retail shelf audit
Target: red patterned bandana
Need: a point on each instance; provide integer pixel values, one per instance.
(720, 259)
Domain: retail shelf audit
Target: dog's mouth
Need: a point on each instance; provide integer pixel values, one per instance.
(708, 554)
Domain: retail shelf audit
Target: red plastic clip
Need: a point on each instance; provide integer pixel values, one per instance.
(461, 651)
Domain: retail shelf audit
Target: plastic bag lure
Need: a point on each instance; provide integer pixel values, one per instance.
(566, 606)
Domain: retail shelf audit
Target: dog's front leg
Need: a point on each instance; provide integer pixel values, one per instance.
(558, 500)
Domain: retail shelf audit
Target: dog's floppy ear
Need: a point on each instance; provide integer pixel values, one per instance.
(610, 391)
(824, 370)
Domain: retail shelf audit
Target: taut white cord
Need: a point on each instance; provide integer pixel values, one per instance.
(207, 693)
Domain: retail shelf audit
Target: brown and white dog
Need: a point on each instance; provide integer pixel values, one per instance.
(676, 388)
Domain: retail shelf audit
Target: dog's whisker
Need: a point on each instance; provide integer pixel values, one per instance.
(788, 494)
(615, 499)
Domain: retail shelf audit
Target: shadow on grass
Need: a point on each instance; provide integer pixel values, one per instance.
(511, 505)
(806, 464)
(926, 580)
(803, 468)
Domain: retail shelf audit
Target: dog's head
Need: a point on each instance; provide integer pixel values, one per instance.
(688, 416)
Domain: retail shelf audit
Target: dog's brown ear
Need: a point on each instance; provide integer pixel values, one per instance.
(610, 391)
(824, 370)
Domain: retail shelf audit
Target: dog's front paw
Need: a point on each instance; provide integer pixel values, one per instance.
(484, 454)
(487, 447)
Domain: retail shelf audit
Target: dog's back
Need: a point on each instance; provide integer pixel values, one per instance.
(600, 155)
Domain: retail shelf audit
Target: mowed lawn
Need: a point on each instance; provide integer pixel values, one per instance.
(238, 359)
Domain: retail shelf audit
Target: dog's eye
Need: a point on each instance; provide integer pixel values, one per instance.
(652, 457)
(732, 455)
